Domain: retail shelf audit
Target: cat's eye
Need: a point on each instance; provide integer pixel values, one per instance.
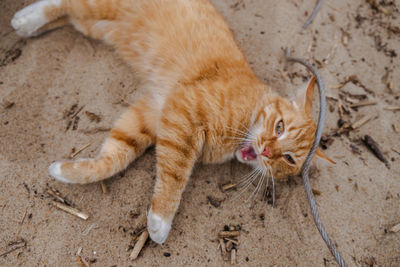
(279, 128)
(289, 158)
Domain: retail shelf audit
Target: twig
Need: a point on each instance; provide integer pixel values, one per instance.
(14, 246)
(77, 112)
(395, 228)
(233, 256)
(80, 150)
(361, 122)
(52, 193)
(394, 150)
(71, 210)
(96, 130)
(139, 245)
(392, 108)
(228, 186)
(363, 104)
(313, 14)
(232, 240)
(104, 187)
(224, 234)
(84, 261)
(223, 248)
(395, 128)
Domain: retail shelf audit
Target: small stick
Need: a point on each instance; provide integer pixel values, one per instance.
(392, 108)
(363, 104)
(395, 228)
(76, 113)
(340, 85)
(332, 97)
(228, 186)
(71, 210)
(223, 248)
(361, 122)
(104, 187)
(373, 146)
(233, 256)
(232, 240)
(224, 234)
(395, 128)
(229, 246)
(52, 193)
(139, 245)
(394, 150)
(80, 150)
(96, 130)
(13, 247)
(84, 261)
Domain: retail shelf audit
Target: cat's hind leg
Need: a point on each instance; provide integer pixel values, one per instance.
(132, 134)
(28, 21)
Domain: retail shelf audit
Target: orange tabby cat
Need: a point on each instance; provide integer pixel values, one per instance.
(204, 102)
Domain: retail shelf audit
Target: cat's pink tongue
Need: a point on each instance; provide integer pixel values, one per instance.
(248, 153)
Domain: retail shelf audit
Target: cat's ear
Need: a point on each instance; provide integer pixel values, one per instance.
(305, 98)
(321, 155)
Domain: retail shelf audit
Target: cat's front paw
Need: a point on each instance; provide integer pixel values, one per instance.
(158, 227)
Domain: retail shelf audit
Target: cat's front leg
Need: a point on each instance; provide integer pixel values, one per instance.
(176, 156)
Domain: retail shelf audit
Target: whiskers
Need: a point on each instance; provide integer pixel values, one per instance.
(261, 176)
(239, 137)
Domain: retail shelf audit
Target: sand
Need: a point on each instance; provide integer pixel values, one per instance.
(42, 78)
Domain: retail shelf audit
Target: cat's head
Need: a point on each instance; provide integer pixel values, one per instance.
(281, 135)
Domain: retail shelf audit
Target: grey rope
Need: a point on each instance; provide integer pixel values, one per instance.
(313, 14)
(318, 133)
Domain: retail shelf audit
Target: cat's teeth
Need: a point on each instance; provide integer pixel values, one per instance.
(245, 158)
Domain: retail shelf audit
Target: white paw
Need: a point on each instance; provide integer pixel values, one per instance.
(29, 19)
(158, 228)
(55, 171)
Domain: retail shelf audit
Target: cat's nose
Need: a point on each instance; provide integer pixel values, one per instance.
(267, 152)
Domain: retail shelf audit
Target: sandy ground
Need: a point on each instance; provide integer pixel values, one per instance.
(42, 78)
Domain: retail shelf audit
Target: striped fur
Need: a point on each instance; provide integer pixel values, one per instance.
(204, 103)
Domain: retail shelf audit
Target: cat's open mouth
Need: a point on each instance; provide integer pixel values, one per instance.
(247, 153)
